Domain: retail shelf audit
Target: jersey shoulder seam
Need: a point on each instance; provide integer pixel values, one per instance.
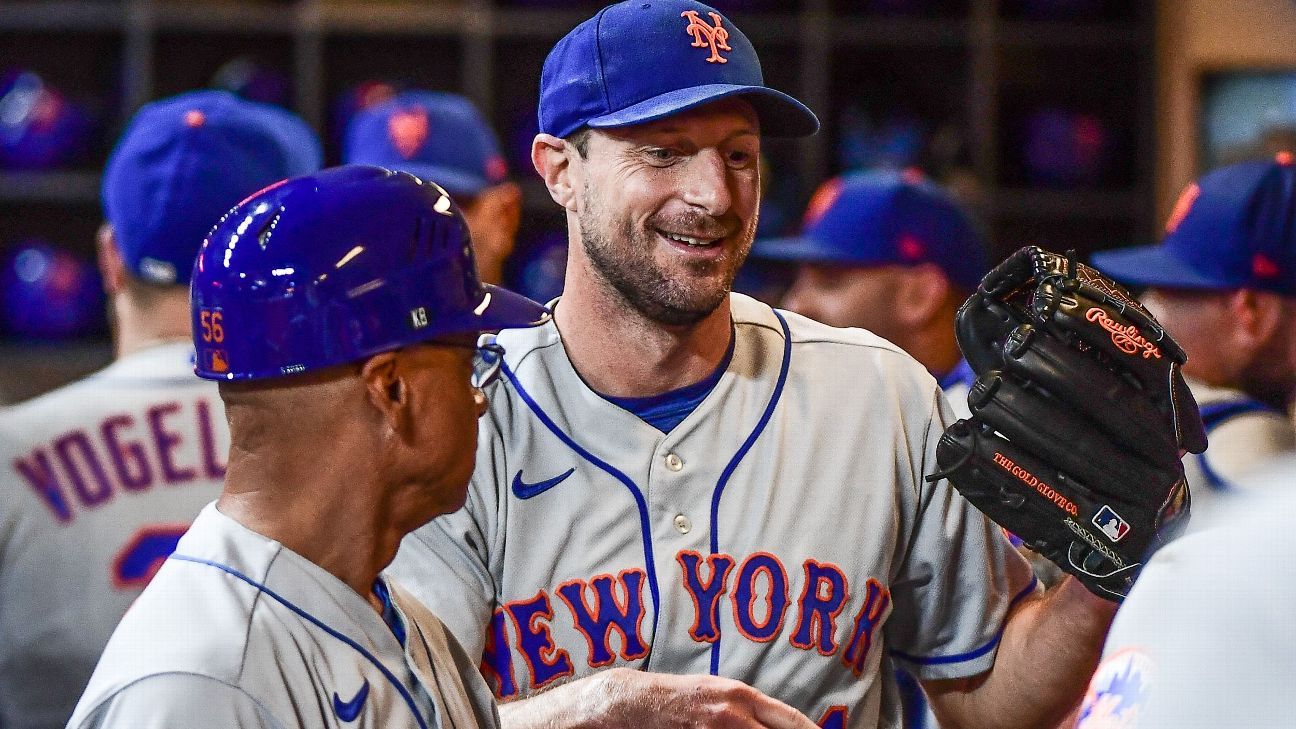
(256, 603)
(265, 710)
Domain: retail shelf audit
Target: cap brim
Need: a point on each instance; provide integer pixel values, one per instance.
(504, 309)
(803, 249)
(780, 114)
(1150, 266)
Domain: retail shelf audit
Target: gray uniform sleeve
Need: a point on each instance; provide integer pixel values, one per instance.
(170, 700)
(445, 564)
(956, 580)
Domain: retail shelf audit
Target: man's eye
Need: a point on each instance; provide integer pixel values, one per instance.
(659, 154)
(739, 159)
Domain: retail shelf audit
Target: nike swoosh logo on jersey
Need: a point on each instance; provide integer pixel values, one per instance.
(524, 490)
(349, 710)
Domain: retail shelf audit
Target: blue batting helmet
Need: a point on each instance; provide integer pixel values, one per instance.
(334, 267)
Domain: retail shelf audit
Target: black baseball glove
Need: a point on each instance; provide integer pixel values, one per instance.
(1080, 416)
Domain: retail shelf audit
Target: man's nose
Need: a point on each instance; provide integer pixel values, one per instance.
(707, 183)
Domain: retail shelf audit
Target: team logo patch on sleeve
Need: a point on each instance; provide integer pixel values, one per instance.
(1118, 692)
(1111, 523)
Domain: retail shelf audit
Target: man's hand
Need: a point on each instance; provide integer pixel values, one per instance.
(623, 697)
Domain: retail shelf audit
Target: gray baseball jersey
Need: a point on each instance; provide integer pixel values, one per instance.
(1244, 435)
(238, 631)
(955, 385)
(782, 534)
(98, 480)
(1204, 639)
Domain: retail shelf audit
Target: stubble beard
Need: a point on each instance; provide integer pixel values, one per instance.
(623, 258)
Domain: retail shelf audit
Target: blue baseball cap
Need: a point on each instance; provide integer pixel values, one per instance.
(437, 136)
(1235, 228)
(642, 60)
(884, 217)
(186, 160)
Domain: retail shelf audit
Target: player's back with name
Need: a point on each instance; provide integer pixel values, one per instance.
(98, 480)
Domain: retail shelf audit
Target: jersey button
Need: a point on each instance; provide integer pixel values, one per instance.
(674, 462)
(683, 524)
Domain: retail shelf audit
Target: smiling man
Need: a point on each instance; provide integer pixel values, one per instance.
(690, 509)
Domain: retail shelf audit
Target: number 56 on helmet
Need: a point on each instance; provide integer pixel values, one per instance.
(334, 267)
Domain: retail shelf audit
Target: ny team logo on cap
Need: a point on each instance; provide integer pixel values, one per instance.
(823, 199)
(714, 36)
(1182, 207)
(408, 130)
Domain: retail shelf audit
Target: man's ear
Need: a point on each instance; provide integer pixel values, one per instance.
(112, 269)
(923, 291)
(503, 202)
(552, 158)
(1258, 314)
(386, 389)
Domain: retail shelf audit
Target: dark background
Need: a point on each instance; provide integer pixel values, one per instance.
(1039, 113)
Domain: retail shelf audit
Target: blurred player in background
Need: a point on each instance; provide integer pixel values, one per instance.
(892, 253)
(1223, 283)
(347, 301)
(1204, 639)
(99, 479)
(442, 137)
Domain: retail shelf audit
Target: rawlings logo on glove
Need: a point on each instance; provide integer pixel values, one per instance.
(1080, 416)
(1126, 338)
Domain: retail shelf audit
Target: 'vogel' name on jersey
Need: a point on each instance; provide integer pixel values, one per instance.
(122, 455)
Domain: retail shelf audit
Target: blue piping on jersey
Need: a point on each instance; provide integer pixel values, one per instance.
(737, 458)
(976, 652)
(608, 468)
(1214, 415)
(1215, 481)
(318, 623)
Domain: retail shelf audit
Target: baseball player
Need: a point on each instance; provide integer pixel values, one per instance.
(441, 136)
(1204, 639)
(890, 252)
(340, 313)
(99, 479)
(1223, 282)
(677, 480)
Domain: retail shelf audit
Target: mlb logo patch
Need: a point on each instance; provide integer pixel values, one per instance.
(1111, 524)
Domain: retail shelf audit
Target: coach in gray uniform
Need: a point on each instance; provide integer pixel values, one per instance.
(340, 314)
(690, 508)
